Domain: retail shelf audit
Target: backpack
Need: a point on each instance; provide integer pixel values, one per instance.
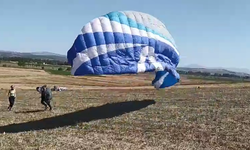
(48, 94)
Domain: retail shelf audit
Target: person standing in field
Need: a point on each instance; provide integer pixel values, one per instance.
(12, 97)
(46, 96)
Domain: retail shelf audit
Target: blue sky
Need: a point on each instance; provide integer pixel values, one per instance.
(212, 33)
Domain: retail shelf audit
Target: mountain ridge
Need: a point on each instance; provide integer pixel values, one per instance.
(240, 70)
(46, 53)
(37, 55)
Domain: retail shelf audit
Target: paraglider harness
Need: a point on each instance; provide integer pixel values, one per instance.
(46, 93)
(46, 96)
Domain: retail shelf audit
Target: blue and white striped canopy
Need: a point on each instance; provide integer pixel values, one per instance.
(125, 42)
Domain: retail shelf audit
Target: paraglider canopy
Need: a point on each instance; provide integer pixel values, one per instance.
(125, 42)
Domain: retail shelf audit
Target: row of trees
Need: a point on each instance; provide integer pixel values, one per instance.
(39, 62)
(29, 62)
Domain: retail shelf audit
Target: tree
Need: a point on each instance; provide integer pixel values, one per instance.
(68, 68)
(21, 63)
(60, 69)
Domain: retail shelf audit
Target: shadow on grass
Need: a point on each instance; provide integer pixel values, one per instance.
(89, 114)
(29, 111)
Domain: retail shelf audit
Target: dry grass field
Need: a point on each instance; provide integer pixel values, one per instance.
(122, 112)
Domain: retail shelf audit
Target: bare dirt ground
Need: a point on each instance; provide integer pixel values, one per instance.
(182, 117)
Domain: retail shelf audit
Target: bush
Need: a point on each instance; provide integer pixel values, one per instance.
(21, 63)
(68, 68)
(60, 69)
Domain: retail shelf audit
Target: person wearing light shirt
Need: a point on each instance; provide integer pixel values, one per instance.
(12, 97)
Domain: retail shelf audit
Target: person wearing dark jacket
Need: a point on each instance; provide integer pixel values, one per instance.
(46, 97)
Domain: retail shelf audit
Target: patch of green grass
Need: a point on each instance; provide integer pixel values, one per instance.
(58, 72)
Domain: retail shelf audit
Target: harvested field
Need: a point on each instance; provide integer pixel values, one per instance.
(182, 117)
(31, 78)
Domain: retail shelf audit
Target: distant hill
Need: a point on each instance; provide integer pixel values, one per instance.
(47, 54)
(35, 55)
(242, 70)
(197, 68)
